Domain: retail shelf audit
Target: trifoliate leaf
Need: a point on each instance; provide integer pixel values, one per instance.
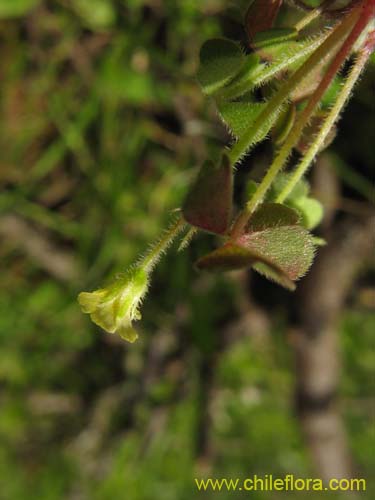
(273, 244)
(289, 248)
(220, 61)
(208, 204)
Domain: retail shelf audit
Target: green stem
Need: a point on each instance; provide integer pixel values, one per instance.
(295, 133)
(313, 14)
(328, 124)
(282, 95)
(153, 256)
(264, 73)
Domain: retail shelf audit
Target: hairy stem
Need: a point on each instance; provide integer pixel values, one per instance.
(312, 15)
(264, 73)
(282, 95)
(328, 124)
(295, 134)
(153, 256)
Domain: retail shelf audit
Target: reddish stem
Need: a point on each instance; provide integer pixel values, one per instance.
(368, 12)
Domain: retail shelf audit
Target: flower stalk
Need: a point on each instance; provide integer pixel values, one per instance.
(362, 15)
(115, 307)
(331, 119)
(282, 95)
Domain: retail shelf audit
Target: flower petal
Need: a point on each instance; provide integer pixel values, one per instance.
(89, 301)
(128, 333)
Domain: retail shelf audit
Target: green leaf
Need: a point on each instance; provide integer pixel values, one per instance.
(275, 274)
(273, 244)
(240, 116)
(232, 257)
(277, 51)
(289, 248)
(252, 66)
(220, 61)
(300, 190)
(274, 43)
(271, 215)
(311, 211)
(15, 8)
(208, 204)
(273, 37)
(229, 257)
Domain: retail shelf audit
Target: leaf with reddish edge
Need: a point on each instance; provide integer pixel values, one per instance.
(272, 273)
(208, 204)
(274, 245)
(261, 16)
(289, 248)
(232, 257)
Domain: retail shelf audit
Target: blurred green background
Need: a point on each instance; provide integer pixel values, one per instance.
(101, 126)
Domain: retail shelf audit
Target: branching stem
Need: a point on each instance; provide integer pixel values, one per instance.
(295, 134)
(328, 124)
(282, 95)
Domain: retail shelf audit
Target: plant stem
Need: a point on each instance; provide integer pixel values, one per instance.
(328, 124)
(153, 256)
(282, 95)
(367, 12)
(313, 14)
(264, 73)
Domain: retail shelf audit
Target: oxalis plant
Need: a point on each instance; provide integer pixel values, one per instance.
(284, 84)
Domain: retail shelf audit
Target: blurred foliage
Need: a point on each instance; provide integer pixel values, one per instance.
(101, 125)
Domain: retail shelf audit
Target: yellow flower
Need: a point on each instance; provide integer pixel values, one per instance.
(115, 307)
